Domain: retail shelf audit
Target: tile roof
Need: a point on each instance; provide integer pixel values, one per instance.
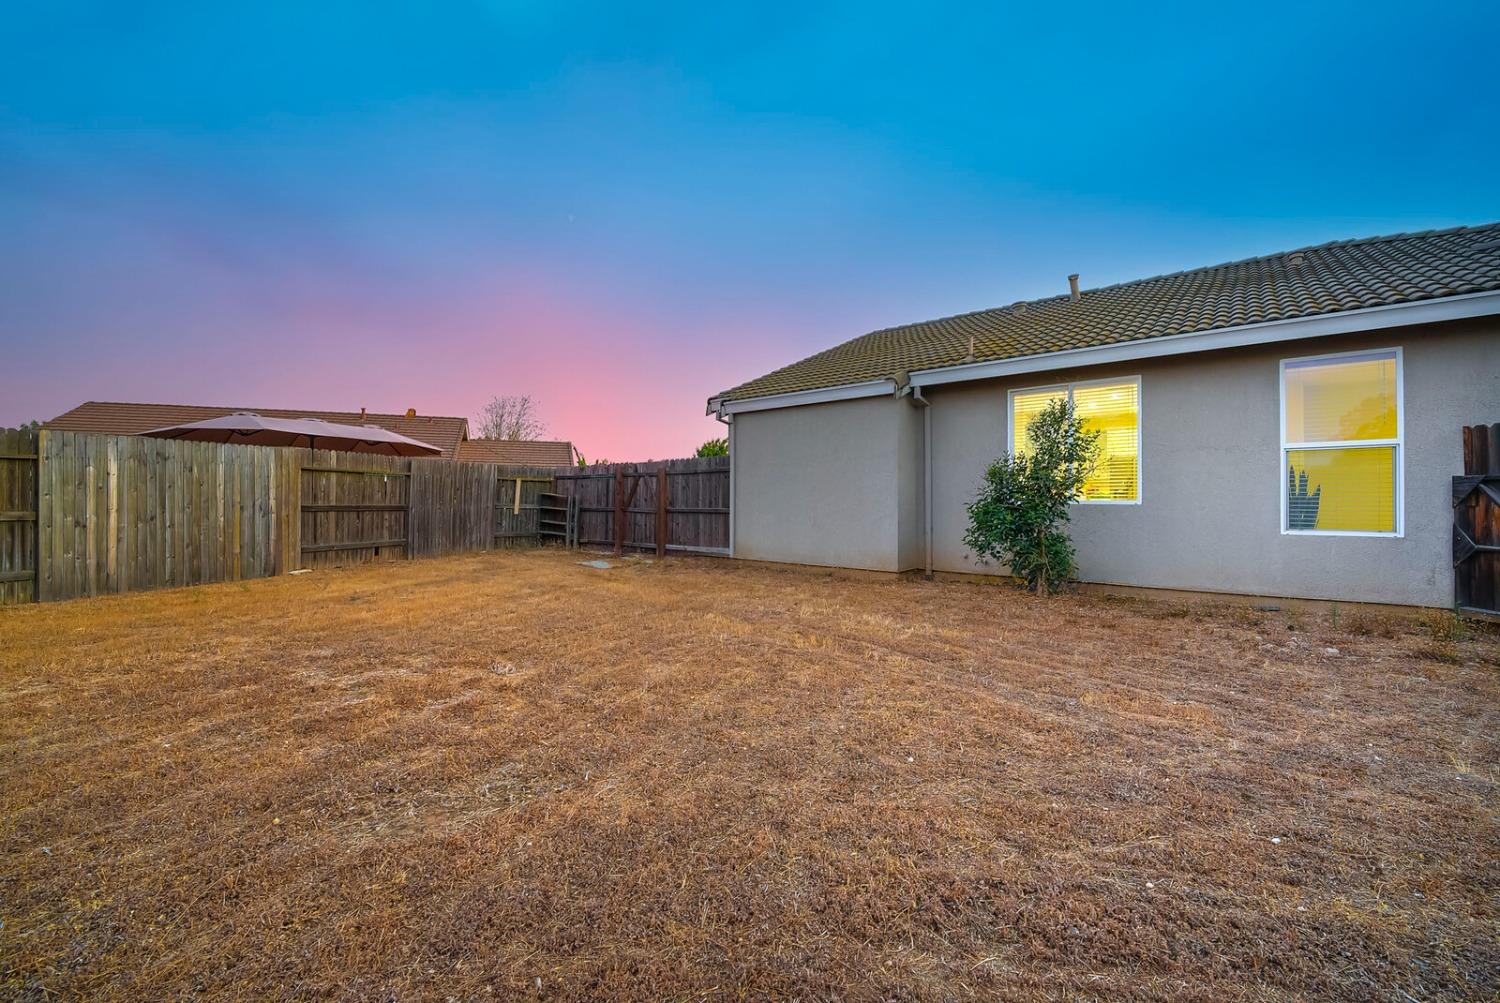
(1328, 278)
(115, 418)
(521, 452)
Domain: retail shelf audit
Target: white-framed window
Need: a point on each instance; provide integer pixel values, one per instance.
(1342, 424)
(1113, 408)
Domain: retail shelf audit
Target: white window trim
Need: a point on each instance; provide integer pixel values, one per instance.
(1140, 411)
(1399, 442)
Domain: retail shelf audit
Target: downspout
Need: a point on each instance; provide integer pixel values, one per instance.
(728, 422)
(927, 477)
(915, 393)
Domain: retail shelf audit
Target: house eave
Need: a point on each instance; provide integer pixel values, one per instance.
(821, 395)
(1324, 325)
(1460, 307)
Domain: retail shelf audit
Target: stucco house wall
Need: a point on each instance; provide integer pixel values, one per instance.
(840, 484)
(826, 484)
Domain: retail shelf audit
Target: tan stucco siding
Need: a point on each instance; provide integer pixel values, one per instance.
(840, 484)
(823, 484)
(1210, 515)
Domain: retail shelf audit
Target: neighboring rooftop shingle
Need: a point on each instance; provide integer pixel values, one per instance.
(520, 452)
(1328, 278)
(115, 418)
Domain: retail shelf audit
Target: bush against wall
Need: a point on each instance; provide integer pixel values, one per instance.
(1018, 516)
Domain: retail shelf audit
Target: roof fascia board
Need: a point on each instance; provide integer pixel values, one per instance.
(1344, 322)
(823, 395)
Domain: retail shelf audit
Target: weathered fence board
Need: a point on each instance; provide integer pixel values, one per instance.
(18, 515)
(696, 504)
(121, 513)
(453, 507)
(353, 507)
(1476, 522)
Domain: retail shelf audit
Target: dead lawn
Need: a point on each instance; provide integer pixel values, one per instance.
(507, 776)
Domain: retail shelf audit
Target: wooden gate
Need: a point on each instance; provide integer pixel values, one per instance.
(1476, 522)
(677, 506)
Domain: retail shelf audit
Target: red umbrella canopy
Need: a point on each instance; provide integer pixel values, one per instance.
(248, 429)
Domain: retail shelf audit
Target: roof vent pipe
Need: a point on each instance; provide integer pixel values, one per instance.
(1073, 286)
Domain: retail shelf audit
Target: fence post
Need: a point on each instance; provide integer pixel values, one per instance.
(619, 512)
(661, 511)
(45, 516)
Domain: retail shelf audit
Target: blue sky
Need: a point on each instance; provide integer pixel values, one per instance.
(622, 211)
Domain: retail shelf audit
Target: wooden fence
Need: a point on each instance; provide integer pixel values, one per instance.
(84, 515)
(18, 466)
(665, 506)
(1476, 522)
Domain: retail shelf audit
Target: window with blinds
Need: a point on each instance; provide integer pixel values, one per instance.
(1111, 407)
(1341, 444)
(1025, 405)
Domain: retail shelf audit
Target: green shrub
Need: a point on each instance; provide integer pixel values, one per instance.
(714, 447)
(1018, 515)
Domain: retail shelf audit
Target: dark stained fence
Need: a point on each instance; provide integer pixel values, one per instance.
(1476, 522)
(18, 466)
(633, 506)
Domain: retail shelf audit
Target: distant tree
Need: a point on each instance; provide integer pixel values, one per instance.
(1018, 516)
(511, 417)
(714, 447)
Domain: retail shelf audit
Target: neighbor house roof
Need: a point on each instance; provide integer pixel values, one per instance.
(520, 452)
(1313, 281)
(115, 418)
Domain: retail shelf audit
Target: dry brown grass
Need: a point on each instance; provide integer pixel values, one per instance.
(509, 776)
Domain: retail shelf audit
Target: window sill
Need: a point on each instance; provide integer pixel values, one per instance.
(1341, 532)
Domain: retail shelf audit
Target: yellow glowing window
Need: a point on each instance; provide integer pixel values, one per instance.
(1341, 400)
(1341, 443)
(1025, 405)
(1113, 408)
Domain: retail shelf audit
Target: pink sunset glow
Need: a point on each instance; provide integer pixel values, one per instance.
(623, 210)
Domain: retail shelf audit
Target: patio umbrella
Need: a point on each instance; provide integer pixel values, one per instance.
(248, 429)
